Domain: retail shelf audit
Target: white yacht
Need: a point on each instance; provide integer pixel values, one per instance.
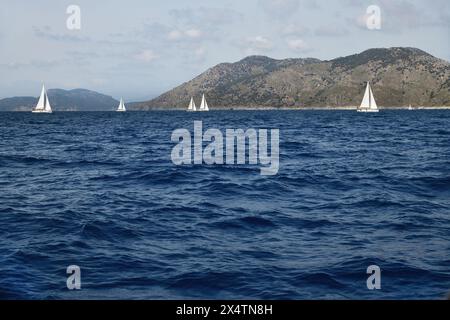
(121, 107)
(43, 105)
(368, 104)
(192, 107)
(204, 104)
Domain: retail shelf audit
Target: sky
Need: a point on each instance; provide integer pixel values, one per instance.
(139, 49)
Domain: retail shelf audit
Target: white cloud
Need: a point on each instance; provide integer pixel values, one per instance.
(295, 30)
(193, 33)
(37, 64)
(200, 52)
(260, 42)
(175, 35)
(178, 35)
(312, 4)
(255, 45)
(146, 56)
(398, 16)
(47, 33)
(298, 45)
(280, 9)
(210, 18)
(196, 55)
(331, 30)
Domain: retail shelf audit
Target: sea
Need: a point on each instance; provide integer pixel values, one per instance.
(100, 191)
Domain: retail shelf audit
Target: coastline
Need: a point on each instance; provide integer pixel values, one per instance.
(344, 108)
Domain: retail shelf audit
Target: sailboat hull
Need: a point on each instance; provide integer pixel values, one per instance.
(41, 111)
(368, 110)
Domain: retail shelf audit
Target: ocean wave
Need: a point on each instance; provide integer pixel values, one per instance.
(100, 191)
(249, 222)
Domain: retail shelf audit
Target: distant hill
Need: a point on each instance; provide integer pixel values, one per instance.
(399, 77)
(64, 100)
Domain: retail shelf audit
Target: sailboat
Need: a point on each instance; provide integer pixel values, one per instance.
(192, 107)
(43, 105)
(410, 108)
(368, 104)
(204, 104)
(121, 107)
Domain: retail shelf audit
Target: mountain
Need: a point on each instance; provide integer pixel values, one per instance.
(399, 77)
(64, 100)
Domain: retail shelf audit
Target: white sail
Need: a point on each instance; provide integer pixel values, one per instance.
(192, 106)
(121, 107)
(368, 103)
(373, 103)
(43, 105)
(365, 104)
(48, 107)
(204, 104)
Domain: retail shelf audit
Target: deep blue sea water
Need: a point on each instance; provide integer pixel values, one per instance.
(99, 190)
